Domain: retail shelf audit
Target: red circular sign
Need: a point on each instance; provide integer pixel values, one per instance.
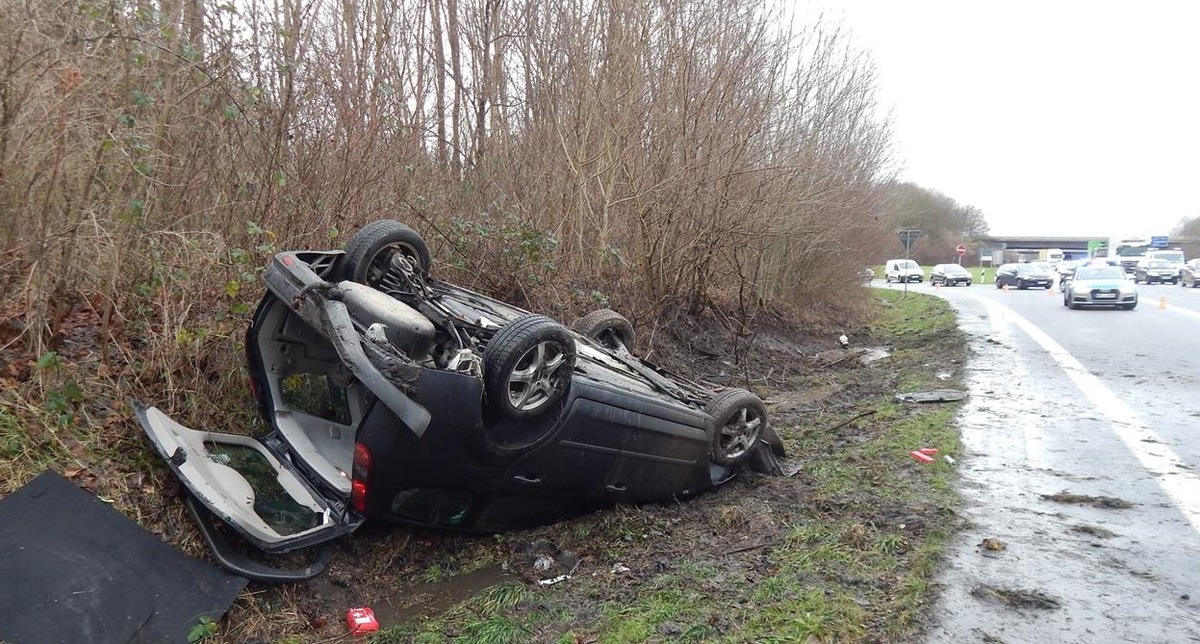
(961, 250)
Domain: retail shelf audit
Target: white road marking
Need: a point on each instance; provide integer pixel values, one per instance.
(1182, 486)
(1180, 310)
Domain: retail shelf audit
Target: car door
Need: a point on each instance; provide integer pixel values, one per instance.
(250, 484)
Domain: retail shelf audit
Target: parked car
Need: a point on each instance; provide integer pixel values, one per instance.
(903, 270)
(1155, 270)
(393, 395)
(1100, 286)
(1189, 275)
(949, 275)
(1023, 276)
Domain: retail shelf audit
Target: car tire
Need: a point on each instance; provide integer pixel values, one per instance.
(369, 252)
(527, 367)
(1071, 303)
(999, 285)
(1021, 285)
(741, 418)
(608, 328)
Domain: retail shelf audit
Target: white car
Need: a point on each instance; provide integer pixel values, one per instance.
(903, 270)
(1100, 286)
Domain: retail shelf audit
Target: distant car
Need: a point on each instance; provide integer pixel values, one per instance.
(1100, 286)
(1189, 275)
(1066, 268)
(1174, 257)
(1023, 276)
(903, 270)
(1044, 266)
(949, 275)
(1155, 270)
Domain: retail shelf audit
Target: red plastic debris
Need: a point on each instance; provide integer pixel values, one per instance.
(361, 621)
(924, 458)
(928, 451)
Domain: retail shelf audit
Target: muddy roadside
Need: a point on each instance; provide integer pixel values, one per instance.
(843, 549)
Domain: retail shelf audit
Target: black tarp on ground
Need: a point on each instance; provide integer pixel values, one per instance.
(72, 569)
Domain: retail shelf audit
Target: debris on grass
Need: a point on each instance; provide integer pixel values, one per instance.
(1107, 502)
(936, 395)
(361, 621)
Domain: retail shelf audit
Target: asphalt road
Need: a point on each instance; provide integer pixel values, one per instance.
(1102, 404)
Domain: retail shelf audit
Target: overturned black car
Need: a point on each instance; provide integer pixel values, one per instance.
(393, 395)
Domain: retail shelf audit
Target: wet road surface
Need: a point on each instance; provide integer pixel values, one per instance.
(1082, 448)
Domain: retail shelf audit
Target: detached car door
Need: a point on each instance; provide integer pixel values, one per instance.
(250, 484)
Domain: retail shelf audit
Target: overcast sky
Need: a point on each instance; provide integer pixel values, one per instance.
(1053, 117)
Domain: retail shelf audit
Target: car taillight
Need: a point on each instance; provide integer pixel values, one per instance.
(360, 478)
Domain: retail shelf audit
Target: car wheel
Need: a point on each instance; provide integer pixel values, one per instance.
(968, 282)
(741, 418)
(370, 251)
(999, 284)
(1071, 302)
(608, 328)
(527, 366)
(1022, 285)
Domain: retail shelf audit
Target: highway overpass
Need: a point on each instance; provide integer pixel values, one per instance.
(992, 248)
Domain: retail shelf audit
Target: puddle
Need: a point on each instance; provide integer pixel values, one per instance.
(792, 400)
(425, 600)
(873, 354)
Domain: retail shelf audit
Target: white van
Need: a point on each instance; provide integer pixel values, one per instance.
(903, 270)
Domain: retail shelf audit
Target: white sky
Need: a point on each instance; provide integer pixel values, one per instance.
(1054, 117)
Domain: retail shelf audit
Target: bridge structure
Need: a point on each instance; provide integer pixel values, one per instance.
(997, 249)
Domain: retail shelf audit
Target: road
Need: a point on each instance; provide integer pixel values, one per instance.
(1101, 404)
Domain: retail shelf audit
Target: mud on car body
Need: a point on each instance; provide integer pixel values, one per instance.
(393, 395)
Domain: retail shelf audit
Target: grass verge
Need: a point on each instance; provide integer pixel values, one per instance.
(843, 550)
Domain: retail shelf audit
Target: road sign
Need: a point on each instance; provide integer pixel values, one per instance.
(908, 236)
(1158, 242)
(961, 250)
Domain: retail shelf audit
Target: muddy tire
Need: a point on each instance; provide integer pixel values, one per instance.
(608, 328)
(741, 418)
(370, 251)
(527, 367)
